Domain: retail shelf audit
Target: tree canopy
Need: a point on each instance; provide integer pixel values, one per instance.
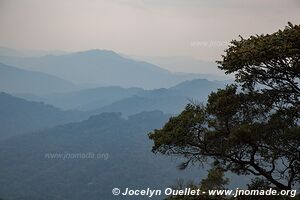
(253, 125)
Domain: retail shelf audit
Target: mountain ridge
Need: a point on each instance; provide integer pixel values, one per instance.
(102, 67)
(104, 99)
(19, 116)
(16, 80)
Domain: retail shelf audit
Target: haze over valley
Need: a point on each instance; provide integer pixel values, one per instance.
(85, 102)
(97, 96)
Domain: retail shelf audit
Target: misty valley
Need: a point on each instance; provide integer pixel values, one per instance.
(45, 114)
(140, 99)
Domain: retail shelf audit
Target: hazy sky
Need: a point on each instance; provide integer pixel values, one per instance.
(198, 28)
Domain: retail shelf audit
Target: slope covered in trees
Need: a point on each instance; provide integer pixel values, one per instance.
(18, 116)
(27, 173)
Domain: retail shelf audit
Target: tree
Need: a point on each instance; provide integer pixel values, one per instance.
(215, 180)
(252, 126)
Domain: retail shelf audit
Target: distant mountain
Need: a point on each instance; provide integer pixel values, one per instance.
(125, 160)
(18, 116)
(131, 100)
(87, 99)
(197, 87)
(15, 80)
(208, 69)
(103, 68)
(172, 100)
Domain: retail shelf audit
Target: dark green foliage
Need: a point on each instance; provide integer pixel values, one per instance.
(271, 60)
(251, 127)
(215, 180)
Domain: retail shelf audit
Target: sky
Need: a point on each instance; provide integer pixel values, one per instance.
(196, 28)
